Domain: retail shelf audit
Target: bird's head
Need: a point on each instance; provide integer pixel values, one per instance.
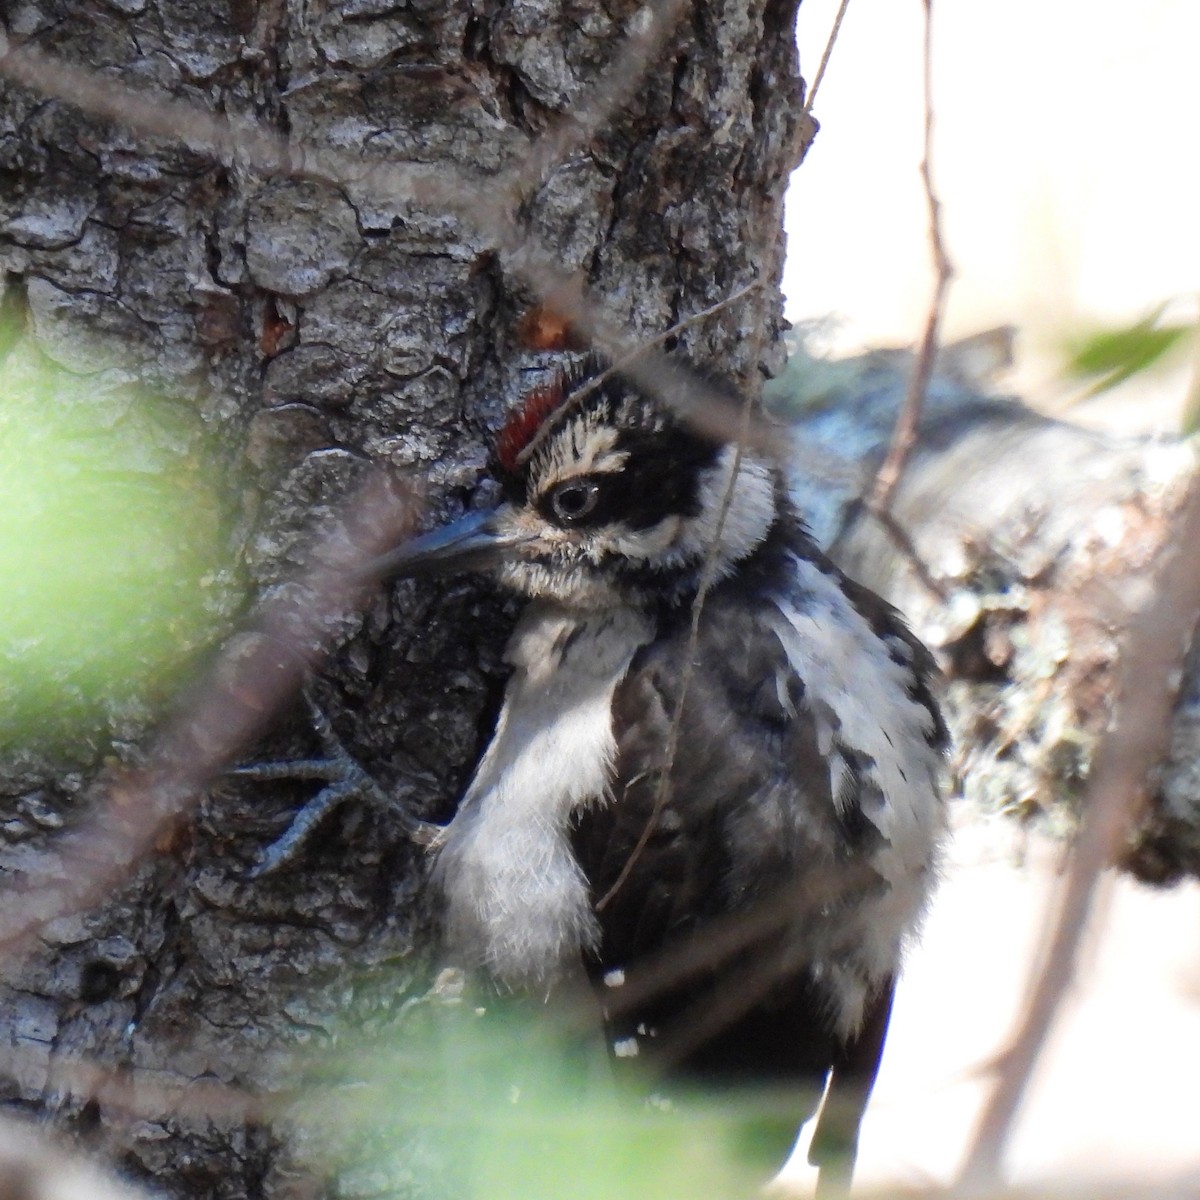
(609, 499)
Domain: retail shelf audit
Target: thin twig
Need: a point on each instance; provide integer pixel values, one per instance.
(727, 936)
(154, 113)
(905, 432)
(811, 98)
(140, 1094)
(878, 496)
(724, 1005)
(1148, 680)
(903, 542)
(724, 938)
(708, 576)
(696, 400)
(896, 534)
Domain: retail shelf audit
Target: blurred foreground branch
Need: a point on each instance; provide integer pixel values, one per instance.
(252, 678)
(34, 1168)
(474, 199)
(905, 432)
(1149, 674)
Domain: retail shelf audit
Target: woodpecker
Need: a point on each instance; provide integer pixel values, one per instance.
(716, 753)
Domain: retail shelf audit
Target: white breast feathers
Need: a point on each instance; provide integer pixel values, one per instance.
(517, 901)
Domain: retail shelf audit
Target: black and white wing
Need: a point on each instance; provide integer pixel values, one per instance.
(772, 851)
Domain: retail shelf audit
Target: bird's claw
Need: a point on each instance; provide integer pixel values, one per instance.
(344, 780)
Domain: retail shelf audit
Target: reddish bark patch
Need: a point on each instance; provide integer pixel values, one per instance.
(544, 328)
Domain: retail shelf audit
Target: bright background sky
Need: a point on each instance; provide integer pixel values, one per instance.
(1066, 155)
(1067, 158)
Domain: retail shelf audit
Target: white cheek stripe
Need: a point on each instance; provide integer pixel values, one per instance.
(584, 448)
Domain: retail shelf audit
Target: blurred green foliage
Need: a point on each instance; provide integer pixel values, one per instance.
(110, 548)
(1109, 356)
(502, 1105)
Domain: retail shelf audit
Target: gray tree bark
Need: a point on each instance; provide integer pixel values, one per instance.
(296, 331)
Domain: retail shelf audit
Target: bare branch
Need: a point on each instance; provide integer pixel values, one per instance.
(621, 366)
(905, 433)
(903, 542)
(811, 98)
(1148, 679)
(155, 114)
(142, 1094)
(758, 929)
(708, 577)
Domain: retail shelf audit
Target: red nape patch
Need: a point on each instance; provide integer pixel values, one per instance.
(524, 422)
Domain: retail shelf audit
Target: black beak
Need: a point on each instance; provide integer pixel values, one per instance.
(472, 543)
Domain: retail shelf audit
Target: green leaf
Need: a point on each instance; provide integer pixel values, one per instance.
(1111, 356)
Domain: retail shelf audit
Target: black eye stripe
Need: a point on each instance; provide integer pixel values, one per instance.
(650, 486)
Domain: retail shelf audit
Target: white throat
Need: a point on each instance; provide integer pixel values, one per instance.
(517, 901)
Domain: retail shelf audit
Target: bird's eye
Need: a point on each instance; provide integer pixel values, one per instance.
(573, 501)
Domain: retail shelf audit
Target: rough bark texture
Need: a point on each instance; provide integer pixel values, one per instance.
(302, 330)
(1032, 543)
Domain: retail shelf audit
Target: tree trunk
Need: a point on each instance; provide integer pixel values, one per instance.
(291, 331)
